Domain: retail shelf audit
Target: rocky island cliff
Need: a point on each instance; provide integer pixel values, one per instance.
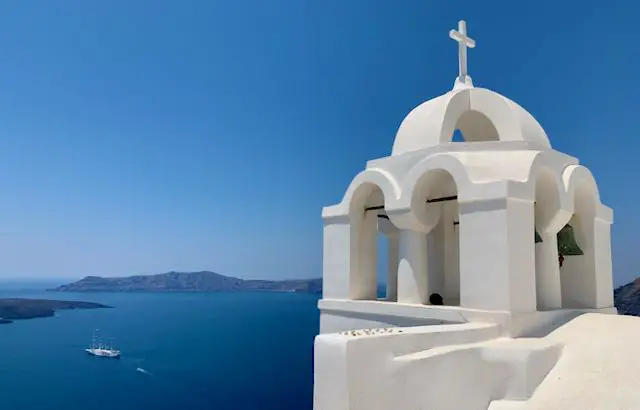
(15, 308)
(203, 281)
(627, 298)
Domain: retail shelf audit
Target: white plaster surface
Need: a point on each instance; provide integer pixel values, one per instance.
(588, 363)
(516, 330)
(598, 368)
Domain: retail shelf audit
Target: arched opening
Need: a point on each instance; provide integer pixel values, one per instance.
(382, 244)
(387, 254)
(475, 126)
(578, 272)
(372, 247)
(546, 206)
(438, 193)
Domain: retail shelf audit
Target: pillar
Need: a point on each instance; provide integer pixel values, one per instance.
(336, 258)
(392, 267)
(497, 257)
(412, 268)
(548, 289)
(603, 263)
(363, 282)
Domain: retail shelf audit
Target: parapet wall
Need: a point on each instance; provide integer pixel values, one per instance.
(459, 366)
(342, 315)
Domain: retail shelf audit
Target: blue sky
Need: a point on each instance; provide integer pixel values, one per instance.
(209, 134)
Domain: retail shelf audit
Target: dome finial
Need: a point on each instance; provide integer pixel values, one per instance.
(463, 80)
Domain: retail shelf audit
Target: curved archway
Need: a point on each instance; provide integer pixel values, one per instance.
(370, 229)
(360, 185)
(484, 115)
(475, 126)
(435, 199)
(547, 206)
(578, 273)
(418, 183)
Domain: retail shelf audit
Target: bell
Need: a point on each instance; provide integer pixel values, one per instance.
(538, 237)
(567, 244)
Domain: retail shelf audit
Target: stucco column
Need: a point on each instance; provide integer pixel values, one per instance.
(497, 258)
(336, 257)
(412, 268)
(392, 267)
(548, 290)
(363, 281)
(603, 265)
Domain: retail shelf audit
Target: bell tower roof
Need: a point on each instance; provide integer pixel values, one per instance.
(480, 114)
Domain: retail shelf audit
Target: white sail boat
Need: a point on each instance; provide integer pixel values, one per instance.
(99, 348)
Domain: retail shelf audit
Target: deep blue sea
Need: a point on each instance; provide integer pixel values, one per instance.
(236, 351)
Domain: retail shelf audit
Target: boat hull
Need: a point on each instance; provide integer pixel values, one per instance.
(112, 354)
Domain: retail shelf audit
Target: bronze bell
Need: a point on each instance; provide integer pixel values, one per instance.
(567, 244)
(538, 237)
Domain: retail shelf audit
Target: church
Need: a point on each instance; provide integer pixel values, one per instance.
(499, 291)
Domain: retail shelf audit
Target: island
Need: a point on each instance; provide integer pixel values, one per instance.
(17, 308)
(203, 281)
(627, 297)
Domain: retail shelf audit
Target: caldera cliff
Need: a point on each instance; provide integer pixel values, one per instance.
(203, 281)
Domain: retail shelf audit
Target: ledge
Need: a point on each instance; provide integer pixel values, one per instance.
(476, 146)
(341, 314)
(427, 313)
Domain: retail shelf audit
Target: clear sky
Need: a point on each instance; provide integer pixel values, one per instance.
(141, 137)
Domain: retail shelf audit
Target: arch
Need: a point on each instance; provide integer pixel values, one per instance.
(484, 115)
(575, 175)
(548, 193)
(545, 178)
(440, 179)
(365, 196)
(475, 126)
(410, 212)
(443, 240)
(549, 218)
(578, 275)
(433, 184)
(364, 183)
(487, 107)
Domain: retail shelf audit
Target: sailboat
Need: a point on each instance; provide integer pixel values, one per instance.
(99, 348)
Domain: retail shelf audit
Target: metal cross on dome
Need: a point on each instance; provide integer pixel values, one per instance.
(463, 42)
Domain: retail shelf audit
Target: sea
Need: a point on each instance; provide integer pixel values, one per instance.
(236, 351)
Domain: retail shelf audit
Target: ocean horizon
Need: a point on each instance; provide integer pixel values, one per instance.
(240, 351)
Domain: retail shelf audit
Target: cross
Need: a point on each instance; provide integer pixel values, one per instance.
(463, 42)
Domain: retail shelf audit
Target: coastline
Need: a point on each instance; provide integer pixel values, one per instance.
(12, 309)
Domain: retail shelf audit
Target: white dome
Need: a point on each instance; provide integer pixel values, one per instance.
(480, 114)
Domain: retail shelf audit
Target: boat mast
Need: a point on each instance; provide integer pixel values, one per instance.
(99, 343)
